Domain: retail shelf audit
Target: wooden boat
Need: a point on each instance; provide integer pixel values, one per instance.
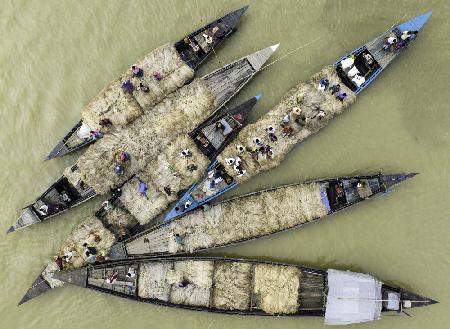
(355, 63)
(78, 137)
(62, 195)
(224, 83)
(58, 198)
(248, 287)
(328, 196)
(154, 241)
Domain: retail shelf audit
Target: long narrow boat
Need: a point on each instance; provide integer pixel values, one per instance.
(235, 118)
(192, 50)
(248, 287)
(308, 107)
(251, 216)
(255, 215)
(70, 190)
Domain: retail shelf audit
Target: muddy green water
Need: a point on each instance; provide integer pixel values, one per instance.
(56, 55)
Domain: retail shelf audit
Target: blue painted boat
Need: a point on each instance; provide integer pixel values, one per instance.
(365, 63)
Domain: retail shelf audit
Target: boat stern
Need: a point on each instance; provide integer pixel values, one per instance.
(412, 300)
(27, 218)
(390, 180)
(416, 23)
(232, 19)
(76, 277)
(39, 287)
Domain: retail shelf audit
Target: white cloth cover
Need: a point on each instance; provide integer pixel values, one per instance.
(347, 63)
(354, 71)
(84, 131)
(358, 80)
(352, 298)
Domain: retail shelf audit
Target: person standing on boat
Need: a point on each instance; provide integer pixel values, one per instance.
(119, 170)
(390, 43)
(123, 156)
(341, 96)
(127, 86)
(143, 189)
(335, 88)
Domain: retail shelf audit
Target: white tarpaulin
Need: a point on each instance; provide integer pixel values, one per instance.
(352, 298)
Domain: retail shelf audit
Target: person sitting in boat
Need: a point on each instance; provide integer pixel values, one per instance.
(69, 255)
(157, 76)
(127, 86)
(123, 156)
(112, 278)
(119, 170)
(105, 123)
(143, 189)
(241, 173)
(335, 88)
(192, 167)
(208, 38)
(271, 134)
(269, 152)
(319, 115)
(230, 161)
(186, 153)
(341, 96)
(407, 36)
(186, 205)
(179, 239)
(143, 87)
(286, 120)
(257, 141)
(137, 71)
(287, 131)
(65, 198)
(184, 283)
(323, 84)
(89, 250)
(43, 210)
(368, 59)
(107, 206)
(192, 44)
(389, 43)
(96, 134)
(240, 148)
(131, 273)
(299, 117)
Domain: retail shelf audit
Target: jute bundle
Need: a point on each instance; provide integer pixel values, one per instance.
(152, 280)
(166, 61)
(113, 104)
(276, 288)
(247, 217)
(232, 285)
(199, 277)
(92, 232)
(304, 96)
(147, 137)
(119, 219)
(169, 172)
(123, 108)
(74, 177)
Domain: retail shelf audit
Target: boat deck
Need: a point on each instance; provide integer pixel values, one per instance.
(154, 241)
(375, 47)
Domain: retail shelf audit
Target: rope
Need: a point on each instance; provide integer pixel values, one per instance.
(290, 52)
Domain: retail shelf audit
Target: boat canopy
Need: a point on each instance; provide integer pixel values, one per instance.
(352, 298)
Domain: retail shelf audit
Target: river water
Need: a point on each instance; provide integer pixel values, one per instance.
(57, 55)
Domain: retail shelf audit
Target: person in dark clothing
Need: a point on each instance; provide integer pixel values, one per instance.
(137, 71)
